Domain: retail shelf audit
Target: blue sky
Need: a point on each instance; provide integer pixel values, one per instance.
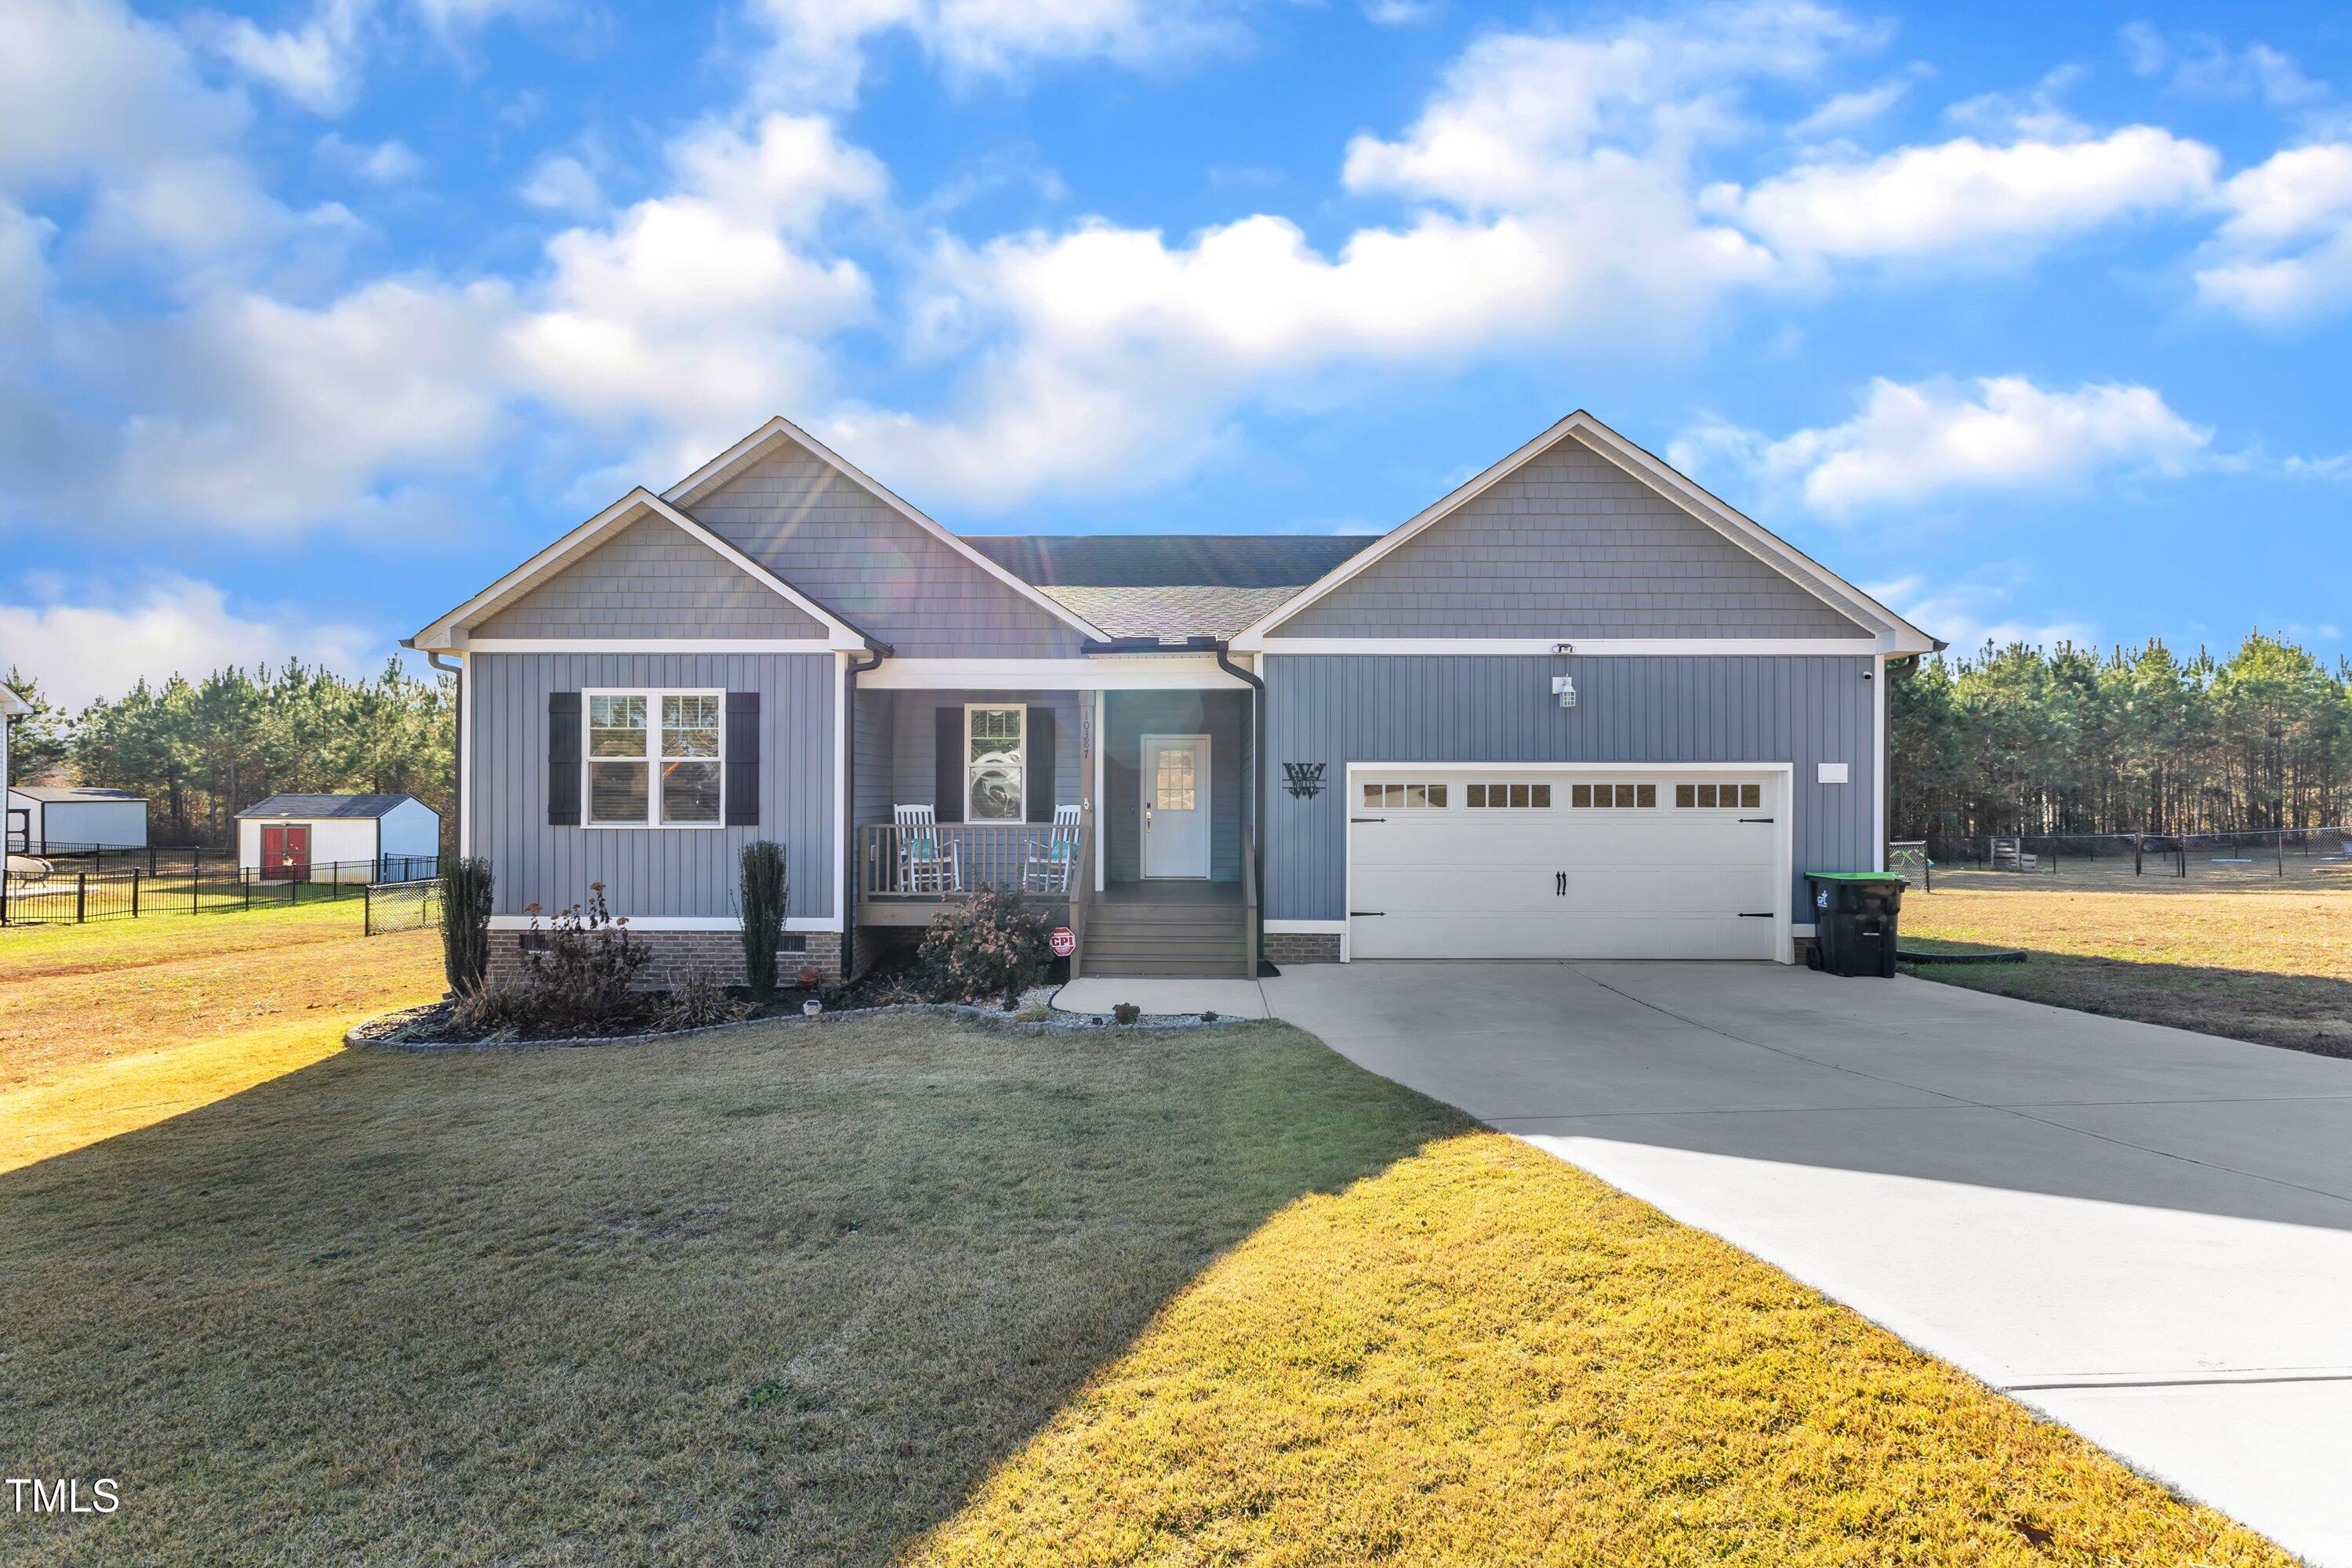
(315, 318)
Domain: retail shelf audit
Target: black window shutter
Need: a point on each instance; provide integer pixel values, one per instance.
(742, 759)
(1038, 737)
(564, 759)
(946, 802)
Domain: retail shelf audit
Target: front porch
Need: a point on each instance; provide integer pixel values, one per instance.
(1126, 815)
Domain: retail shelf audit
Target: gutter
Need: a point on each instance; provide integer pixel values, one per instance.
(457, 751)
(880, 650)
(1258, 770)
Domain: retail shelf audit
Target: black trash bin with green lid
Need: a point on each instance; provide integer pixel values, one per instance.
(1854, 918)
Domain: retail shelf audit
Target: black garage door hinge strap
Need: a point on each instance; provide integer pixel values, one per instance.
(1359, 914)
(1756, 914)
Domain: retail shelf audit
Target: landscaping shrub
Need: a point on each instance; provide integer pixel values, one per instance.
(578, 975)
(697, 1002)
(991, 947)
(466, 884)
(492, 1009)
(763, 888)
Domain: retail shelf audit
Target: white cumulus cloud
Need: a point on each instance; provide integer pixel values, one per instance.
(103, 643)
(2285, 249)
(1909, 443)
(1966, 196)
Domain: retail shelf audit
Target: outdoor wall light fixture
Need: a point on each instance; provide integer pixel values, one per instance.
(1563, 686)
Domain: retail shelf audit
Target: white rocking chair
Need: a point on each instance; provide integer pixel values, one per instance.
(1051, 857)
(927, 860)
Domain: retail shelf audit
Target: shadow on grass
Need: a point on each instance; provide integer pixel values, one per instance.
(2298, 1011)
(783, 1295)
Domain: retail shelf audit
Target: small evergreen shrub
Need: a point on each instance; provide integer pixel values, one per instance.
(466, 884)
(763, 890)
(991, 947)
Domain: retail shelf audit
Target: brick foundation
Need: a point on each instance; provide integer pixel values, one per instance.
(1302, 947)
(677, 954)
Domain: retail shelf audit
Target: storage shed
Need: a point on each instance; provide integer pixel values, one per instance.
(339, 838)
(56, 820)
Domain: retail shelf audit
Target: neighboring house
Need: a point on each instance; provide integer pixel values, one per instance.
(365, 837)
(12, 708)
(61, 818)
(1361, 742)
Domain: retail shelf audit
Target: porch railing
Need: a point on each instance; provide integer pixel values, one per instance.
(930, 863)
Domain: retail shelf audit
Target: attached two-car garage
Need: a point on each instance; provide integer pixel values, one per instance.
(1514, 861)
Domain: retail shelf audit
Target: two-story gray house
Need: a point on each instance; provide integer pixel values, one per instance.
(1576, 708)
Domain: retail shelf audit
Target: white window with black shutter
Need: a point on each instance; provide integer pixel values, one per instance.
(653, 758)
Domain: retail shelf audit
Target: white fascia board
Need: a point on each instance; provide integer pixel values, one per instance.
(1577, 648)
(1106, 672)
(593, 644)
(1306, 928)
(1758, 541)
(13, 706)
(720, 468)
(448, 633)
(1724, 767)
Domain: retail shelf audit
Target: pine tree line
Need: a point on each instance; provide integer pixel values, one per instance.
(203, 751)
(2066, 739)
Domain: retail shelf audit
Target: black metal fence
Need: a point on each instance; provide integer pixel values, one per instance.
(2254, 852)
(74, 892)
(403, 906)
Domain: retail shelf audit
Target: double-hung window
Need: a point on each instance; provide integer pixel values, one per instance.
(995, 769)
(656, 758)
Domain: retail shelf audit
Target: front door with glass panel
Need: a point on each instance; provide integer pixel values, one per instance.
(1175, 805)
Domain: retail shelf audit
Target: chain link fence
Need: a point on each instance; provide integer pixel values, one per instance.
(403, 906)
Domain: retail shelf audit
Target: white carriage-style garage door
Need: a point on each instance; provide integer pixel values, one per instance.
(1462, 861)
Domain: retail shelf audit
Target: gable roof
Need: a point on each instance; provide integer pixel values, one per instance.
(304, 807)
(87, 794)
(638, 503)
(750, 449)
(1895, 635)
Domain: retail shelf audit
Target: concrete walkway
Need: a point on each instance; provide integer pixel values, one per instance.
(1193, 995)
(2142, 1232)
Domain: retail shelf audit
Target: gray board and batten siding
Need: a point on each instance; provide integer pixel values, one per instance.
(1569, 545)
(651, 580)
(1224, 717)
(653, 872)
(1338, 709)
(852, 552)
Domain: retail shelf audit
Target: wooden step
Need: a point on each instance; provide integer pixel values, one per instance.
(1161, 968)
(1165, 914)
(1139, 947)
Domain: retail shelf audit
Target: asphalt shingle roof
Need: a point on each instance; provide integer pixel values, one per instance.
(1170, 585)
(303, 808)
(1169, 560)
(64, 792)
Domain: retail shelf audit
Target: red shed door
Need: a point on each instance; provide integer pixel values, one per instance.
(286, 853)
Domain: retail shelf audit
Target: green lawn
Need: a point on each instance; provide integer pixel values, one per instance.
(912, 1289)
(2254, 959)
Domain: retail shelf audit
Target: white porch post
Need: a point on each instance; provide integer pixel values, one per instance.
(1098, 742)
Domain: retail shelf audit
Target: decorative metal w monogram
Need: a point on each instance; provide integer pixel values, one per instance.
(1306, 779)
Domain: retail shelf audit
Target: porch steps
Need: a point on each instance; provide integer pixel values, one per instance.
(1155, 939)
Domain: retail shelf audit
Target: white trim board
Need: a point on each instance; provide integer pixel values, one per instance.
(1578, 647)
(1741, 529)
(1306, 928)
(725, 465)
(593, 644)
(448, 632)
(1107, 672)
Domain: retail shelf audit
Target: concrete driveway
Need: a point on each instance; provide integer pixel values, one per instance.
(2142, 1232)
